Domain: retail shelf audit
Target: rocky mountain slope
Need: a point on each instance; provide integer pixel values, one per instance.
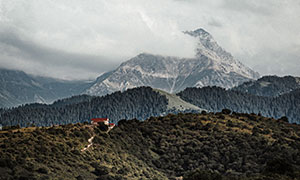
(211, 66)
(220, 146)
(17, 87)
(270, 86)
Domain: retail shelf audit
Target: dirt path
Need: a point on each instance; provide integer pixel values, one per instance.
(89, 145)
(90, 141)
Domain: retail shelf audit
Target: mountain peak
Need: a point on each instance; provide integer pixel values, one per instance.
(199, 33)
(212, 66)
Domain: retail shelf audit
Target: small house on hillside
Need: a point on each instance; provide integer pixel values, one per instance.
(95, 121)
(105, 121)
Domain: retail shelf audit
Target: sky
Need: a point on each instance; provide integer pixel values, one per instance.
(75, 39)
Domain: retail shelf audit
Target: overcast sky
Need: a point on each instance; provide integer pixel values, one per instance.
(76, 39)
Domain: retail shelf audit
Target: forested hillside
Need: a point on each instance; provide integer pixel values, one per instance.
(138, 103)
(215, 99)
(143, 102)
(270, 86)
(208, 146)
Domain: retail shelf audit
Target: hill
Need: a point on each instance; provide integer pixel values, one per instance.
(144, 102)
(140, 103)
(195, 146)
(215, 99)
(270, 86)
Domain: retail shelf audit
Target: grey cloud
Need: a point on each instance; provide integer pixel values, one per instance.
(278, 63)
(255, 6)
(214, 23)
(51, 58)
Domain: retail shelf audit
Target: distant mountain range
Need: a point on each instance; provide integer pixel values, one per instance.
(17, 88)
(144, 102)
(212, 66)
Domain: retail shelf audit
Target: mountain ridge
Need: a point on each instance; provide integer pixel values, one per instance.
(270, 86)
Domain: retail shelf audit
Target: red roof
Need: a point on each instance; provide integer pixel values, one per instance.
(100, 119)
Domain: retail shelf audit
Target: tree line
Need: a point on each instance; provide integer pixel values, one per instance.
(215, 99)
(138, 103)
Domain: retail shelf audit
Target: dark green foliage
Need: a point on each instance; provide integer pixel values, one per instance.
(102, 127)
(270, 86)
(215, 99)
(239, 146)
(226, 111)
(199, 174)
(101, 170)
(139, 103)
(284, 119)
(43, 170)
(278, 166)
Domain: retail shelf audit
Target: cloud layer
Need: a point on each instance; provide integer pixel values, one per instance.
(74, 39)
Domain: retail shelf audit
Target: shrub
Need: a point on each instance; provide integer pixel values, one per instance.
(101, 170)
(199, 174)
(284, 119)
(43, 170)
(278, 166)
(226, 111)
(102, 127)
(76, 152)
(122, 122)
(221, 117)
(203, 112)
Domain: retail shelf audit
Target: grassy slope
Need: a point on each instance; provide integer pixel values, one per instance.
(175, 102)
(193, 145)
